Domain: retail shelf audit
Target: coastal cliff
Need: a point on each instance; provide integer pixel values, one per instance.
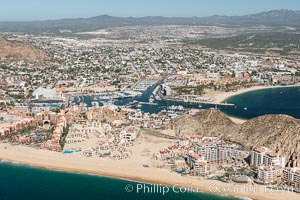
(278, 132)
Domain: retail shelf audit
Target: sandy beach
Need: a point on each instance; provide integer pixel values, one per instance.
(132, 169)
(220, 97)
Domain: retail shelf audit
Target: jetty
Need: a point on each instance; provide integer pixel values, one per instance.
(200, 102)
(148, 103)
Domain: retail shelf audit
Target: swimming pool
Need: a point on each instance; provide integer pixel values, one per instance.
(69, 151)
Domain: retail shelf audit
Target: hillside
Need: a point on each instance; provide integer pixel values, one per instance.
(20, 51)
(278, 132)
(269, 18)
(205, 122)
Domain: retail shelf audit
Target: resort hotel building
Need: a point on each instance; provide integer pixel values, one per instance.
(13, 122)
(264, 156)
(213, 151)
(270, 165)
(200, 168)
(268, 174)
(292, 176)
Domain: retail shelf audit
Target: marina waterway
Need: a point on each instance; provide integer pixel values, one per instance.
(283, 100)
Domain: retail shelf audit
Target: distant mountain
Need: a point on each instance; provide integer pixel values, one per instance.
(270, 18)
(274, 17)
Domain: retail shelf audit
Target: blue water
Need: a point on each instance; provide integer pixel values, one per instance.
(18, 182)
(284, 100)
(69, 151)
(161, 104)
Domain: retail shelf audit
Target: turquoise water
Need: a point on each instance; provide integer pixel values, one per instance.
(69, 151)
(284, 100)
(18, 182)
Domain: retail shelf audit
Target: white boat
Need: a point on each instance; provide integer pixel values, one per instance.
(104, 98)
(151, 100)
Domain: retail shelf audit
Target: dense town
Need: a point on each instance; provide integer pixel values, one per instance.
(80, 100)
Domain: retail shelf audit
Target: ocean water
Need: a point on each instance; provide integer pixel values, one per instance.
(285, 100)
(19, 182)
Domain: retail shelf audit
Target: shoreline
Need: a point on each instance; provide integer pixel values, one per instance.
(108, 175)
(223, 96)
(118, 177)
(130, 170)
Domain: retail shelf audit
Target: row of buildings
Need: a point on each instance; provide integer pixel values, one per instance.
(54, 143)
(14, 122)
(271, 167)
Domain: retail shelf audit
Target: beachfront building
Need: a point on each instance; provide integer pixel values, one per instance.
(272, 158)
(14, 122)
(121, 153)
(264, 156)
(192, 158)
(292, 176)
(53, 144)
(200, 168)
(128, 134)
(268, 174)
(175, 151)
(81, 132)
(213, 151)
(103, 145)
(46, 118)
(76, 134)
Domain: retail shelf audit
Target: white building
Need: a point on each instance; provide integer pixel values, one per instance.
(292, 175)
(268, 174)
(264, 156)
(192, 158)
(128, 134)
(200, 168)
(44, 93)
(213, 152)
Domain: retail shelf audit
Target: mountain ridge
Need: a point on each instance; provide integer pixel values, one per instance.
(269, 18)
(276, 131)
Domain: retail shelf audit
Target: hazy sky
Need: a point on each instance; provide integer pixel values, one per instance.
(11, 10)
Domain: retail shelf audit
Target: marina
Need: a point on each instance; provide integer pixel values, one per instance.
(151, 101)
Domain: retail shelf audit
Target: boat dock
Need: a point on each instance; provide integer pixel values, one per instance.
(201, 102)
(148, 103)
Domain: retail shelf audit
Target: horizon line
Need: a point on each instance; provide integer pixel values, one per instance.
(108, 15)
